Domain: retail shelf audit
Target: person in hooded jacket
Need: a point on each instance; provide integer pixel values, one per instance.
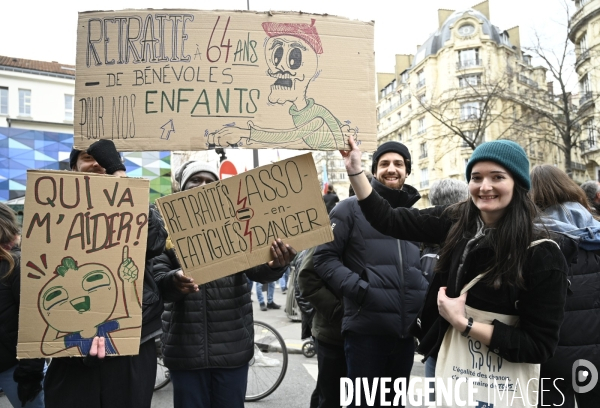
(208, 337)
(379, 277)
(565, 210)
(21, 380)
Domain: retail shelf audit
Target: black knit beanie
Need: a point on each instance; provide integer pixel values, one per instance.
(506, 153)
(73, 158)
(395, 147)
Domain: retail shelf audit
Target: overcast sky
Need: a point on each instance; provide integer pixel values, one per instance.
(46, 30)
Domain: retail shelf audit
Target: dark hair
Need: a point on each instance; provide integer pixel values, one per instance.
(9, 229)
(551, 186)
(510, 239)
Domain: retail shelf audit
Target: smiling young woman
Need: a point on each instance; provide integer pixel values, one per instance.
(490, 250)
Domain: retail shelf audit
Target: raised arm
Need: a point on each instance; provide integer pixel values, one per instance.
(429, 225)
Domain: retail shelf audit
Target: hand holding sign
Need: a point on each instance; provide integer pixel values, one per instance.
(97, 352)
(128, 270)
(184, 284)
(98, 348)
(350, 133)
(282, 254)
(107, 156)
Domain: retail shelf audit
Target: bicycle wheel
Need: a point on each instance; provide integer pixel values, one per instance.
(269, 364)
(163, 376)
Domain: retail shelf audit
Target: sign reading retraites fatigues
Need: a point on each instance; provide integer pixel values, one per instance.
(82, 263)
(193, 80)
(228, 226)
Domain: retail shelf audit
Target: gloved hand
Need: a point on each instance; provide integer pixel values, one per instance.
(28, 390)
(29, 384)
(107, 156)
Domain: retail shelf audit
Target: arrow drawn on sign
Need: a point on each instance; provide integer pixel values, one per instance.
(167, 129)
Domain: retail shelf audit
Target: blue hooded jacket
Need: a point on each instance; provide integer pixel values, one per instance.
(576, 221)
(580, 332)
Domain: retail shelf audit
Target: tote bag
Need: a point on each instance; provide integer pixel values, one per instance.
(498, 383)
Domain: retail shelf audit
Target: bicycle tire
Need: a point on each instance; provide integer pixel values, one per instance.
(163, 376)
(258, 377)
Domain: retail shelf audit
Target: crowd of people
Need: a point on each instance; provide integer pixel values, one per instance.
(504, 267)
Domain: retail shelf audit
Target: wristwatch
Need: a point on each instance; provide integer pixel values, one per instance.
(469, 327)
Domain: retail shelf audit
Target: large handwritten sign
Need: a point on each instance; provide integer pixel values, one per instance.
(228, 226)
(192, 80)
(82, 265)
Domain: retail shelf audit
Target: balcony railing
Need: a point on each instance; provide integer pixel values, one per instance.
(421, 84)
(524, 80)
(578, 166)
(404, 100)
(588, 145)
(389, 109)
(424, 183)
(585, 98)
(469, 116)
(582, 57)
(468, 63)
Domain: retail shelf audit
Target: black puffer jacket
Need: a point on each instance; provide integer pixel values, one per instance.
(10, 296)
(327, 322)
(212, 328)
(152, 304)
(580, 331)
(378, 276)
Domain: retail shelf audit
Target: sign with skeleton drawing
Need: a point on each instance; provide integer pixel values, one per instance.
(194, 80)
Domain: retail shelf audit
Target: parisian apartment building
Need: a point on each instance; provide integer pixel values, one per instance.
(468, 83)
(585, 34)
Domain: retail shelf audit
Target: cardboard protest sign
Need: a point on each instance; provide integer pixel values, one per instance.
(192, 80)
(228, 226)
(82, 263)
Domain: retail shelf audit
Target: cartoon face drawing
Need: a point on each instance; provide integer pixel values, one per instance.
(292, 63)
(90, 289)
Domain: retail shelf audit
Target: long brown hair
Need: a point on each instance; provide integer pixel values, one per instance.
(550, 186)
(510, 239)
(8, 232)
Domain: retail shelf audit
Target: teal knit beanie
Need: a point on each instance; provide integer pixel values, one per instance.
(506, 153)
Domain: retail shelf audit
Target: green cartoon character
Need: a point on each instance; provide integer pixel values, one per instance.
(79, 301)
(292, 53)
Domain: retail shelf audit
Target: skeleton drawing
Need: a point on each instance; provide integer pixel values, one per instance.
(292, 54)
(92, 291)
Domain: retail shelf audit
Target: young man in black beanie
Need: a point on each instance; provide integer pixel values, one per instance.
(378, 276)
(121, 381)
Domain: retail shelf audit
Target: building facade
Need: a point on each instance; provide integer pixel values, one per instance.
(469, 82)
(36, 128)
(585, 34)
